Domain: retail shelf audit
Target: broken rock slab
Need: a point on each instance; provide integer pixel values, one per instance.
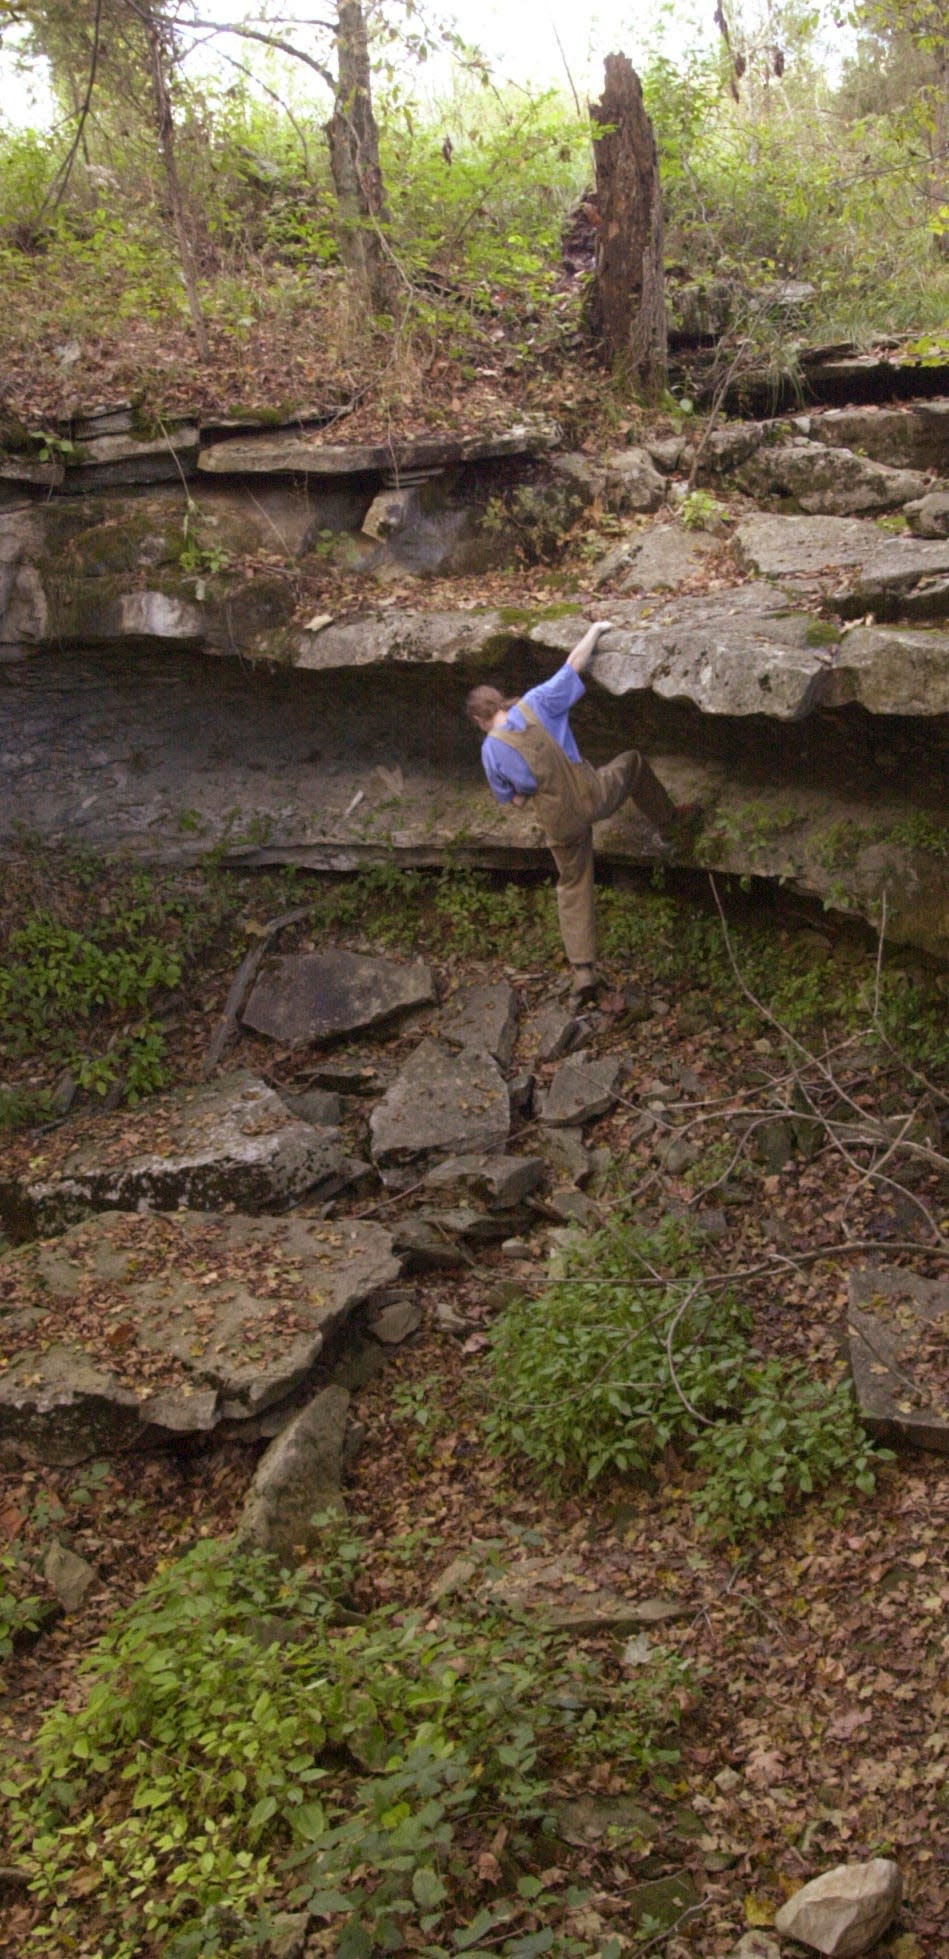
(658, 560)
(744, 651)
(133, 1331)
(851, 563)
(298, 1480)
(898, 1334)
(442, 1104)
(230, 1142)
(321, 996)
(585, 1086)
(501, 1182)
(483, 1017)
(845, 1911)
(827, 480)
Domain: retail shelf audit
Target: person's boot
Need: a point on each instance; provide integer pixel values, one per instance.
(583, 985)
(683, 829)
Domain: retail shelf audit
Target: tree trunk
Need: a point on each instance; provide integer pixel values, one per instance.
(627, 310)
(164, 122)
(354, 161)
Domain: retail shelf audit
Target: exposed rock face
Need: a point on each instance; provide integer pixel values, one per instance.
(358, 750)
(831, 481)
(319, 996)
(130, 1331)
(851, 562)
(231, 1142)
(440, 1105)
(929, 517)
(912, 437)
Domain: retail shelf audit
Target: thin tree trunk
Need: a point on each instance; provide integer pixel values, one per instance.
(627, 310)
(354, 161)
(165, 126)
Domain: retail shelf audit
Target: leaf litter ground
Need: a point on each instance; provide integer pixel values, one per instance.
(818, 1729)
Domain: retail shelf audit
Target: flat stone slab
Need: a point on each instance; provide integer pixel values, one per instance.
(483, 1017)
(442, 1104)
(319, 996)
(889, 670)
(914, 436)
(231, 1142)
(305, 454)
(129, 1331)
(898, 1334)
(852, 562)
(564, 1599)
(585, 1086)
(656, 560)
(405, 638)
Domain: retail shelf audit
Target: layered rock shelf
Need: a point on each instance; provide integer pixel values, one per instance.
(162, 693)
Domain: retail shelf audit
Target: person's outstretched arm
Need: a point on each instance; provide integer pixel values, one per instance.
(586, 647)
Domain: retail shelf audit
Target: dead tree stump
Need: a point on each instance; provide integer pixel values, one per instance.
(627, 309)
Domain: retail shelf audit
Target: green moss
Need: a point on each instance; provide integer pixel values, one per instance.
(821, 632)
(529, 616)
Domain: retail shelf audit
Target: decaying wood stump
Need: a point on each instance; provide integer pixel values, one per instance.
(627, 309)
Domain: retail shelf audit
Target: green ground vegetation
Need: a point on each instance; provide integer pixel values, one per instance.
(93, 976)
(249, 1735)
(633, 1352)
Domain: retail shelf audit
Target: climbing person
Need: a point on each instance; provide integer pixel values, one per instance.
(530, 755)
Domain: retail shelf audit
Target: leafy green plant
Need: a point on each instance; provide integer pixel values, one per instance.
(633, 1351)
(791, 1438)
(52, 447)
(199, 556)
(919, 832)
(80, 979)
(246, 1741)
(700, 511)
(19, 1613)
(599, 1376)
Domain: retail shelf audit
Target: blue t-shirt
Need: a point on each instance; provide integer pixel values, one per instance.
(507, 772)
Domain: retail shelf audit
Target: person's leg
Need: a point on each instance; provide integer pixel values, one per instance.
(575, 904)
(631, 775)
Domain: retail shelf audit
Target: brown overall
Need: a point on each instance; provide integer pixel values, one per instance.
(570, 798)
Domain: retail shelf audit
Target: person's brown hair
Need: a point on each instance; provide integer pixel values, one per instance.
(483, 703)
